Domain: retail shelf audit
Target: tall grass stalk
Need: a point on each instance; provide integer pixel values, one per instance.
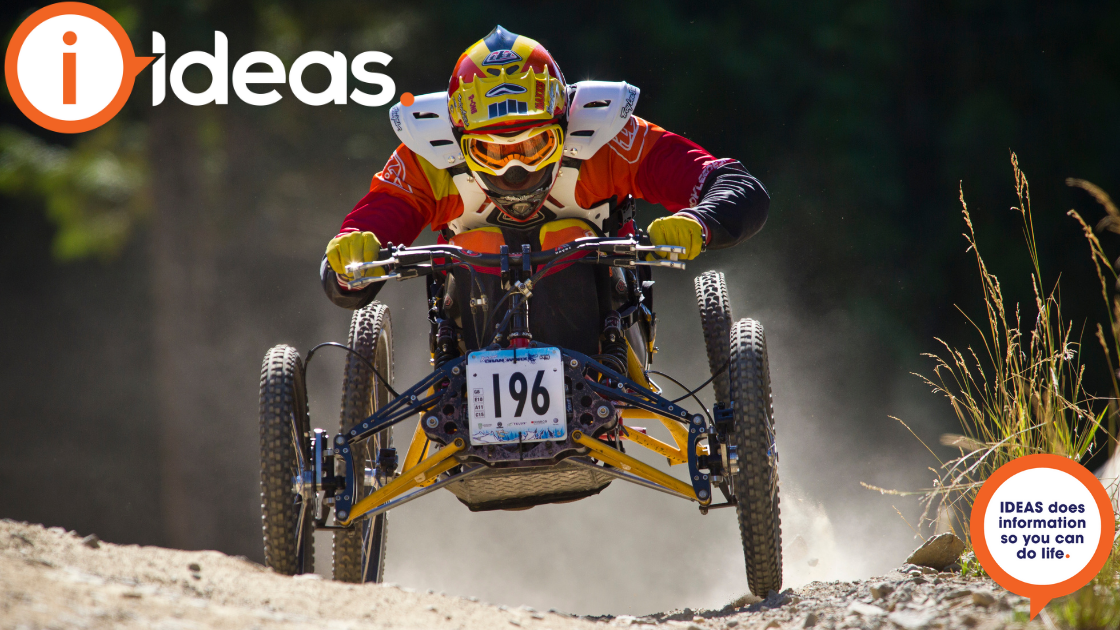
(1016, 393)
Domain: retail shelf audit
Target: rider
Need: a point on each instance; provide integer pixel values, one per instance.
(512, 154)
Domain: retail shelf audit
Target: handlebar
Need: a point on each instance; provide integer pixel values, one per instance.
(404, 262)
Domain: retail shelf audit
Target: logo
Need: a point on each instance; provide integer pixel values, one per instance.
(70, 67)
(500, 58)
(474, 107)
(395, 173)
(538, 95)
(505, 88)
(395, 117)
(631, 99)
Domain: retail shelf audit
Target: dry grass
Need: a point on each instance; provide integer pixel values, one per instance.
(1017, 393)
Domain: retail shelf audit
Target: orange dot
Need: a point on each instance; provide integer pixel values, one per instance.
(407, 99)
(69, 38)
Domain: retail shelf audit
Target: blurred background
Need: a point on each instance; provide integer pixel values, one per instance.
(145, 267)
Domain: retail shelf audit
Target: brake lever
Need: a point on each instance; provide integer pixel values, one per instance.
(356, 268)
(364, 282)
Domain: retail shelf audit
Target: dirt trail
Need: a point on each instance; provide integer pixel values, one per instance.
(51, 578)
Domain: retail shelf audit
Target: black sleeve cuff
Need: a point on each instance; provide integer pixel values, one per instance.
(352, 300)
(733, 205)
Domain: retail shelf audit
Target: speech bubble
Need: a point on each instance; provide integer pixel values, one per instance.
(1056, 500)
(34, 75)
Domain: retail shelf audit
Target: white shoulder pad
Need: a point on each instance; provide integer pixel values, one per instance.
(425, 127)
(599, 110)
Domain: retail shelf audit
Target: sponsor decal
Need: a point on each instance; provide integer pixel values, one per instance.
(505, 88)
(538, 95)
(500, 58)
(707, 170)
(474, 106)
(395, 117)
(395, 173)
(459, 106)
(631, 99)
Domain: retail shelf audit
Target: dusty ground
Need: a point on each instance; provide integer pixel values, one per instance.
(50, 578)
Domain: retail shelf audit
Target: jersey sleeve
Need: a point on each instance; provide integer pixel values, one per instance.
(405, 196)
(662, 167)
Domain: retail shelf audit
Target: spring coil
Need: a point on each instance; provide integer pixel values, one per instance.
(613, 344)
(446, 347)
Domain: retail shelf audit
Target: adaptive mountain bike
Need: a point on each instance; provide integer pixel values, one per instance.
(508, 421)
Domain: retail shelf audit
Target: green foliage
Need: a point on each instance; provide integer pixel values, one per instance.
(1097, 605)
(94, 193)
(970, 566)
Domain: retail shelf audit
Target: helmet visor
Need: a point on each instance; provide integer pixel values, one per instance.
(530, 153)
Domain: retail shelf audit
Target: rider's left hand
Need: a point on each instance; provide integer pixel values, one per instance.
(680, 230)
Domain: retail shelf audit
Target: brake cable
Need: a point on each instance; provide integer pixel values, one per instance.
(354, 352)
(692, 392)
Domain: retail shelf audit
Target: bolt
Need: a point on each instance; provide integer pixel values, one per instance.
(697, 419)
(342, 514)
(339, 440)
(696, 477)
(573, 363)
(412, 398)
(671, 408)
(431, 422)
(620, 385)
(703, 494)
(455, 370)
(603, 411)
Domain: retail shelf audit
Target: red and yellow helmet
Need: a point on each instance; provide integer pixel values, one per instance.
(503, 82)
(506, 99)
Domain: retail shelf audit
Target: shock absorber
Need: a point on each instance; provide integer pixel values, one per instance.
(612, 344)
(447, 347)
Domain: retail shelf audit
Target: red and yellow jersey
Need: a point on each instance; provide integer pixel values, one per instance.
(642, 160)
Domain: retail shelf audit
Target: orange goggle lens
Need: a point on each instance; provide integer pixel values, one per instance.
(530, 152)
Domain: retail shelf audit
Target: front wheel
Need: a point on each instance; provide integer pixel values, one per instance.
(756, 480)
(286, 512)
(359, 555)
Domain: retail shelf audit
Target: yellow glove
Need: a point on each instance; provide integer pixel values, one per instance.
(355, 247)
(680, 230)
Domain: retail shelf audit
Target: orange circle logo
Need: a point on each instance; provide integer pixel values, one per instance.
(1042, 527)
(70, 67)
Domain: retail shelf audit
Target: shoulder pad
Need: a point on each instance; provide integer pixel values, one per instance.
(425, 127)
(599, 110)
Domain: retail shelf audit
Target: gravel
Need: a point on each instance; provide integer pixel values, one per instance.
(51, 578)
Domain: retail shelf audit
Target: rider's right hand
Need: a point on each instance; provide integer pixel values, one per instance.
(354, 247)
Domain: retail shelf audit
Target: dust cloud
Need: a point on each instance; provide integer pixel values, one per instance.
(633, 551)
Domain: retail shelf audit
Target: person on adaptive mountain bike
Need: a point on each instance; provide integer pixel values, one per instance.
(512, 154)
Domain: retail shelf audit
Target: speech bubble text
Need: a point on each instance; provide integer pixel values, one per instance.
(1042, 527)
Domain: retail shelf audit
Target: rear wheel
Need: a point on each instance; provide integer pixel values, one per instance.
(359, 555)
(715, 319)
(752, 435)
(286, 513)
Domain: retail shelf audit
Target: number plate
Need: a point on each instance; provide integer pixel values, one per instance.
(516, 396)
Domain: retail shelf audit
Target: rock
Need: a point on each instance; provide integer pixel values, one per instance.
(194, 566)
(881, 590)
(772, 624)
(810, 620)
(957, 594)
(938, 552)
(92, 541)
(867, 610)
(910, 619)
(981, 598)
(812, 562)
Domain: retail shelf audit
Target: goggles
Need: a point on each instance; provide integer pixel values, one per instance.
(533, 149)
